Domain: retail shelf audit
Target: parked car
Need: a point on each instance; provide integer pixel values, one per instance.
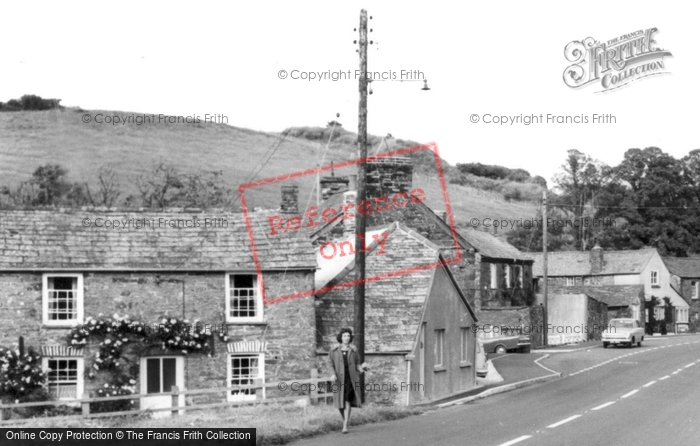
(501, 344)
(481, 368)
(623, 331)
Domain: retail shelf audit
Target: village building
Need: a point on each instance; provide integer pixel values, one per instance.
(685, 279)
(419, 341)
(58, 268)
(491, 273)
(623, 280)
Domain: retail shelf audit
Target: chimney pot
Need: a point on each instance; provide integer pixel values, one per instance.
(290, 199)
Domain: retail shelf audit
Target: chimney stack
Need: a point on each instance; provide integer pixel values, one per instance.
(387, 176)
(596, 259)
(290, 199)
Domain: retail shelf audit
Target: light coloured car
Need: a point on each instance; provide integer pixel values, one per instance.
(623, 331)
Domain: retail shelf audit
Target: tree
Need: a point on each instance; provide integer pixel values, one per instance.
(661, 207)
(580, 184)
(108, 192)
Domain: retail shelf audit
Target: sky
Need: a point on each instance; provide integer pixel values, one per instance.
(481, 59)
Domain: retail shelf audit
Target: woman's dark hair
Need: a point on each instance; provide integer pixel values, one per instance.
(340, 335)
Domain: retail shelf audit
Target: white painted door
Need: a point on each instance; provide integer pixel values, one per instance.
(158, 375)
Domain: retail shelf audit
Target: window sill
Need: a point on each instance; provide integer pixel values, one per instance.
(465, 364)
(440, 368)
(655, 286)
(59, 327)
(237, 323)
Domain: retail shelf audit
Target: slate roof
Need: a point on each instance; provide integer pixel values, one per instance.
(686, 267)
(577, 263)
(612, 295)
(489, 245)
(393, 305)
(59, 239)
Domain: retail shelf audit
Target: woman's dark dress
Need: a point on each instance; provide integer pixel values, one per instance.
(349, 391)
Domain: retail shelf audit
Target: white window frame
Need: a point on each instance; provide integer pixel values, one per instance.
(696, 289)
(45, 300)
(506, 273)
(258, 300)
(659, 313)
(655, 277)
(682, 315)
(464, 347)
(519, 275)
(571, 281)
(440, 348)
(494, 276)
(261, 377)
(80, 382)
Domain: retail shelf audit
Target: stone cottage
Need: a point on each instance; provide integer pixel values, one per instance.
(60, 267)
(601, 274)
(685, 279)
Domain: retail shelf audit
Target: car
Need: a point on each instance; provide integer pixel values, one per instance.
(623, 332)
(481, 367)
(501, 344)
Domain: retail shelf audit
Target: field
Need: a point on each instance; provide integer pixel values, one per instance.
(31, 139)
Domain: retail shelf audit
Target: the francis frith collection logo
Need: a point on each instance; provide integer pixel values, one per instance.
(614, 63)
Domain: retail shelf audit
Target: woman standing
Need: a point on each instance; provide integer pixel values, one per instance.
(344, 361)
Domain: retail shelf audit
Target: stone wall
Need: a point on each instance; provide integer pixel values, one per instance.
(597, 319)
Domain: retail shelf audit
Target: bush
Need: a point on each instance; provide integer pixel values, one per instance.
(30, 102)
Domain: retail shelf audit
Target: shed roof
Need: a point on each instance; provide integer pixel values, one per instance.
(145, 240)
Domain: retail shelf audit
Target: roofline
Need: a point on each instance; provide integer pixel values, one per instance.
(152, 270)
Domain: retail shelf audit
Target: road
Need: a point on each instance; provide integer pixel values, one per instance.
(616, 396)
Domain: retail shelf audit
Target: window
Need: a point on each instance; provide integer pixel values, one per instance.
(570, 281)
(246, 369)
(659, 314)
(494, 276)
(695, 289)
(64, 377)
(655, 277)
(62, 299)
(506, 274)
(440, 348)
(464, 348)
(682, 315)
(519, 275)
(243, 298)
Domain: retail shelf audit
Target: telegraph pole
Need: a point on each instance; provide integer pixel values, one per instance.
(359, 309)
(544, 264)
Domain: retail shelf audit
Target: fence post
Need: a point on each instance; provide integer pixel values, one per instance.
(314, 392)
(175, 399)
(85, 406)
(2, 409)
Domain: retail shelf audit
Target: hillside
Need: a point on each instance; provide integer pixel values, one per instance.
(31, 139)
